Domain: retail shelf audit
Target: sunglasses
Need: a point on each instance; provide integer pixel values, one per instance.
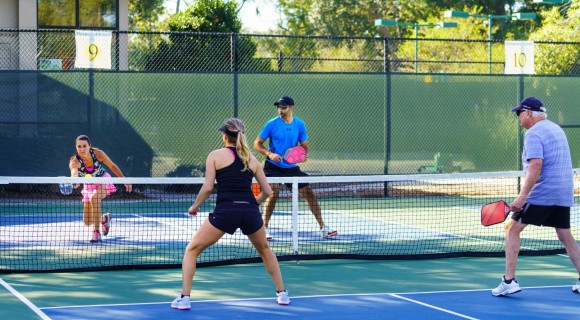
(283, 107)
(520, 111)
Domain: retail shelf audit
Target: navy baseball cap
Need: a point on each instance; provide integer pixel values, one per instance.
(530, 103)
(284, 101)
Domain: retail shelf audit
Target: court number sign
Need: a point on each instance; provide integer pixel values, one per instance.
(519, 57)
(93, 49)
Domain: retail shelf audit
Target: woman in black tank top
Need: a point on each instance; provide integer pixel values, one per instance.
(236, 207)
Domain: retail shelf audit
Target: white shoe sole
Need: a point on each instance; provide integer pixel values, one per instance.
(177, 307)
(333, 234)
(503, 294)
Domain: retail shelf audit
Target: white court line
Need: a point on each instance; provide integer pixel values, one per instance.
(34, 308)
(295, 297)
(433, 307)
(181, 227)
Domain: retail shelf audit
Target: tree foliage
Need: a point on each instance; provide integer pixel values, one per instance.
(444, 51)
(207, 16)
(144, 15)
(186, 50)
(356, 17)
(560, 24)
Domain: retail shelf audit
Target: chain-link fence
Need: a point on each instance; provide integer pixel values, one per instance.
(370, 106)
(219, 52)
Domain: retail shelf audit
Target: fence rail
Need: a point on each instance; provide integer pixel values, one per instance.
(221, 52)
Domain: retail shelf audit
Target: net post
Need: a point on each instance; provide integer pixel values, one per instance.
(295, 215)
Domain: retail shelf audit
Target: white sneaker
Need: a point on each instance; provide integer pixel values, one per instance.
(181, 303)
(576, 287)
(268, 236)
(326, 232)
(283, 298)
(504, 288)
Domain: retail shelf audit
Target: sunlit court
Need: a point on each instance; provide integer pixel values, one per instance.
(293, 159)
(413, 239)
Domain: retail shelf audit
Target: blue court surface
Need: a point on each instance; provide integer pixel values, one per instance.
(532, 303)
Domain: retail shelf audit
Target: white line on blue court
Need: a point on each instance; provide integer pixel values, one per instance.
(476, 290)
(433, 307)
(397, 295)
(27, 302)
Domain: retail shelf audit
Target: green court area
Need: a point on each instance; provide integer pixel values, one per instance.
(250, 281)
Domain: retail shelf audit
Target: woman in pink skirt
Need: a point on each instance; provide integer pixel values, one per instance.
(88, 162)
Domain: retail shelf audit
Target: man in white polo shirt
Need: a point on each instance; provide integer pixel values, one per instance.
(546, 194)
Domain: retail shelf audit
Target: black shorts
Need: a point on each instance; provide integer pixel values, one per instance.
(547, 216)
(231, 215)
(272, 170)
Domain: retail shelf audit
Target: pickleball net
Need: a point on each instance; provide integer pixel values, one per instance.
(377, 217)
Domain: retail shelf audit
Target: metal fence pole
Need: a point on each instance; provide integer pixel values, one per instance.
(521, 90)
(234, 69)
(387, 121)
(280, 61)
(90, 100)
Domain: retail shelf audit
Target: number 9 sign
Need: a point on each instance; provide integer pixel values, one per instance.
(93, 49)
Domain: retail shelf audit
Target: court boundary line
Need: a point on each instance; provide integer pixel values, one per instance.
(299, 297)
(27, 302)
(338, 239)
(432, 306)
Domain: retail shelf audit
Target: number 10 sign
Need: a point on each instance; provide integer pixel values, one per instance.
(519, 57)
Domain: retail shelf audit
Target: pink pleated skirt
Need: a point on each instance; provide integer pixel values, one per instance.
(89, 189)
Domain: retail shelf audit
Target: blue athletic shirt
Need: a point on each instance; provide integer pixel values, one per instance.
(283, 136)
(555, 186)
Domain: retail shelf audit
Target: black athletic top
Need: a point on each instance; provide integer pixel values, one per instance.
(96, 171)
(233, 184)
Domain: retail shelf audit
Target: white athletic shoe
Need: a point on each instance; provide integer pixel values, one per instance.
(576, 287)
(326, 232)
(504, 288)
(283, 298)
(181, 303)
(268, 236)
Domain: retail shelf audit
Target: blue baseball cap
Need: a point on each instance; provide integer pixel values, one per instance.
(284, 101)
(530, 103)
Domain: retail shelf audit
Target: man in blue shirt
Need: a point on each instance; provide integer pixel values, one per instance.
(547, 192)
(286, 131)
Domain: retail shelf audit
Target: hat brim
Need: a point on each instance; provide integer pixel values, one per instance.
(278, 103)
(223, 128)
(518, 108)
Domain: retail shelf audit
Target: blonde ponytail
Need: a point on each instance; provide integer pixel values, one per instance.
(243, 150)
